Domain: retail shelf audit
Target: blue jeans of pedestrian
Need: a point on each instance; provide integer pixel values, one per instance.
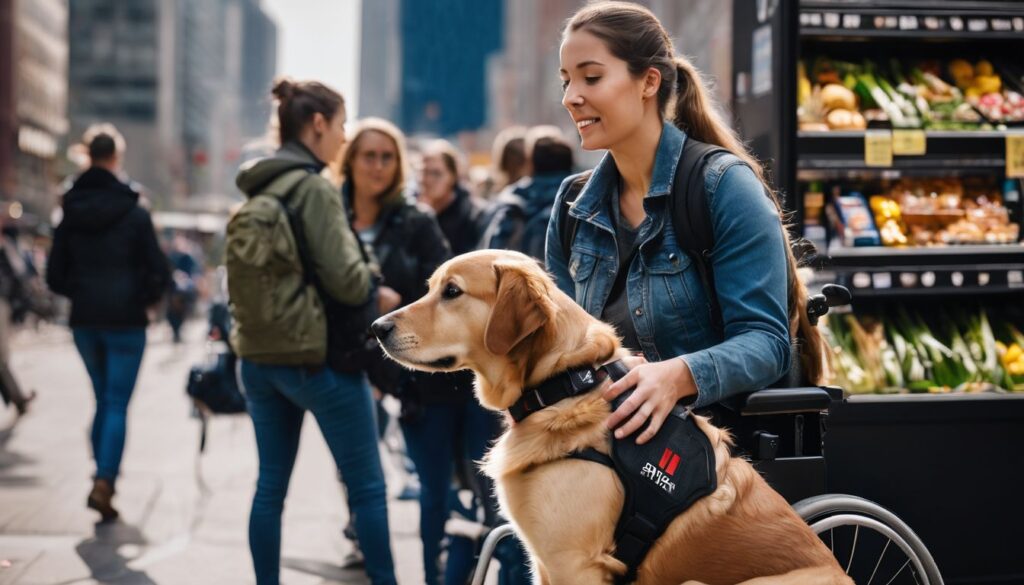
(112, 358)
(433, 439)
(278, 398)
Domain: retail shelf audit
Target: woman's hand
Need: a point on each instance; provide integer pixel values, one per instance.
(387, 299)
(659, 386)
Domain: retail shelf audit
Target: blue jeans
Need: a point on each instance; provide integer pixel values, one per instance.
(112, 358)
(433, 440)
(278, 398)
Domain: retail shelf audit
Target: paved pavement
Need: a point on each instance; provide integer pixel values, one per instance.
(172, 530)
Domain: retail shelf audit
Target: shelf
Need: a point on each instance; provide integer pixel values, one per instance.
(963, 21)
(873, 273)
(839, 151)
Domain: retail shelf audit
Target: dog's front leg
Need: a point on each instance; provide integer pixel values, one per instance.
(574, 568)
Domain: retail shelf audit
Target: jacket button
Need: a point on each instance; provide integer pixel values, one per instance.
(639, 312)
(672, 257)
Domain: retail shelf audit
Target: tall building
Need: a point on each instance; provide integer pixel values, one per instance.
(123, 70)
(380, 70)
(184, 81)
(33, 100)
(259, 65)
(434, 80)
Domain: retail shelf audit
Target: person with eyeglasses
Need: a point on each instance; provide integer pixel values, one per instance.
(409, 245)
(451, 430)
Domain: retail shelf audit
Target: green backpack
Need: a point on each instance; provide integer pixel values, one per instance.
(278, 315)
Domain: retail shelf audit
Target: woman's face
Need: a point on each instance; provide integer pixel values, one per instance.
(374, 164)
(436, 181)
(605, 101)
(328, 135)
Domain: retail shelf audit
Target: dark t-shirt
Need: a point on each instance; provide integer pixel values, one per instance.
(616, 309)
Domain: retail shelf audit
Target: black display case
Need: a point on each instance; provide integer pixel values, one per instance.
(950, 465)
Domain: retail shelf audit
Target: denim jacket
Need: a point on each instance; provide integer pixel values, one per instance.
(667, 301)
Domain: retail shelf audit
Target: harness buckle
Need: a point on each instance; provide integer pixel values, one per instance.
(533, 401)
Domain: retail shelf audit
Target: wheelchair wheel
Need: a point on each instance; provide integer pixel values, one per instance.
(871, 543)
(487, 551)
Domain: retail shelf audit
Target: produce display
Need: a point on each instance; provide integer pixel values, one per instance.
(921, 212)
(838, 95)
(901, 352)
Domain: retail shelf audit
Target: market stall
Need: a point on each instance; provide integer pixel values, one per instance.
(895, 131)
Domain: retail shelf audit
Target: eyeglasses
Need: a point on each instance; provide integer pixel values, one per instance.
(372, 158)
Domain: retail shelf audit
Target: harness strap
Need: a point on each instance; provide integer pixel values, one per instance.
(565, 385)
(593, 455)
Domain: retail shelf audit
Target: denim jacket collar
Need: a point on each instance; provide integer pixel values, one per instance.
(592, 199)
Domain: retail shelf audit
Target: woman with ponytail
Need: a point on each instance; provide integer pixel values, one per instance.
(628, 93)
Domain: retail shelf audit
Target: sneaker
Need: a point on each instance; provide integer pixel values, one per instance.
(354, 559)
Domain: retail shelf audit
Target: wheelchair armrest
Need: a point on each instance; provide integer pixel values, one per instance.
(787, 400)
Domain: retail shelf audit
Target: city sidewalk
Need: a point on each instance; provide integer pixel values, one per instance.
(172, 531)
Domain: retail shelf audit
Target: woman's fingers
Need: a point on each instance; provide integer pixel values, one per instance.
(636, 421)
(657, 419)
(624, 410)
(624, 383)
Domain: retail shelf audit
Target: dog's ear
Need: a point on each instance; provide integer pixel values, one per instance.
(522, 307)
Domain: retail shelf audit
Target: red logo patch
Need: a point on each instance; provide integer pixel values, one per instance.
(669, 462)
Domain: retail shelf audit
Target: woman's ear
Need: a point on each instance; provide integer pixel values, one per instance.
(320, 123)
(652, 82)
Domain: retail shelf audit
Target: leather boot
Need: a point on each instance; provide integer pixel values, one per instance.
(100, 499)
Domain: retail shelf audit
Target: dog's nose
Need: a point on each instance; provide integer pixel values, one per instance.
(382, 328)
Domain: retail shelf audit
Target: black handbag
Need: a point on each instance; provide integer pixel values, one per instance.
(348, 327)
(214, 384)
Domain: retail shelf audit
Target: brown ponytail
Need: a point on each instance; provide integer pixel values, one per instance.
(298, 101)
(634, 34)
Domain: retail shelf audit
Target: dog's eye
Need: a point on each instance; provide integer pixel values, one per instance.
(451, 291)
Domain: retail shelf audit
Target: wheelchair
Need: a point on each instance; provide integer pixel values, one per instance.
(781, 431)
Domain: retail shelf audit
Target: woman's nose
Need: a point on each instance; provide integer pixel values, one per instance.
(571, 99)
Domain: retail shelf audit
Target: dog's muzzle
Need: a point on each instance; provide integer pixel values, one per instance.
(382, 328)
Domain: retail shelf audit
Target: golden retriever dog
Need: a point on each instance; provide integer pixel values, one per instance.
(499, 314)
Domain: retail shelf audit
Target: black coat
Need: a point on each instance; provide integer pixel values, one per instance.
(461, 222)
(105, 254)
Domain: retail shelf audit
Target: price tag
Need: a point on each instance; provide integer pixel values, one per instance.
(1015, 155)
(878, 148)
(908, 142)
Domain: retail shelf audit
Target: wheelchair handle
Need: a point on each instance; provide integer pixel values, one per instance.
(831, 295)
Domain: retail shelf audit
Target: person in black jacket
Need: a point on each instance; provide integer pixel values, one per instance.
(409, 244)
(106, 259)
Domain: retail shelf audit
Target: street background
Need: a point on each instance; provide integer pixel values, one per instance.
(171, 530)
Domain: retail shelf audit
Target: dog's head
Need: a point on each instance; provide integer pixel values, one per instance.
(499, 314)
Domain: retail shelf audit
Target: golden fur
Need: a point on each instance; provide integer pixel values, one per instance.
(499, 314)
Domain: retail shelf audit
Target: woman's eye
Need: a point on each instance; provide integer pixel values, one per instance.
(565, 84)
(592, 80)
(451, 291)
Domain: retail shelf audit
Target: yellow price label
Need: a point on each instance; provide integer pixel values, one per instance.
(909, 142)
(1015, 155)
(878, 148)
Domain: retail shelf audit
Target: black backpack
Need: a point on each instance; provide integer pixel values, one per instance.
(690, 215)
(691, 220)
(511, 228)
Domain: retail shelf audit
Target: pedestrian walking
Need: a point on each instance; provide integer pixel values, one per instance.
(517, 219)
(185, 270)
(15, 297)
(106, 259)
(302, 294)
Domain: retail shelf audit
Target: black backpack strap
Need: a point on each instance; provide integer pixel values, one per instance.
(691, 217)
(301, 245)
(567, 222)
